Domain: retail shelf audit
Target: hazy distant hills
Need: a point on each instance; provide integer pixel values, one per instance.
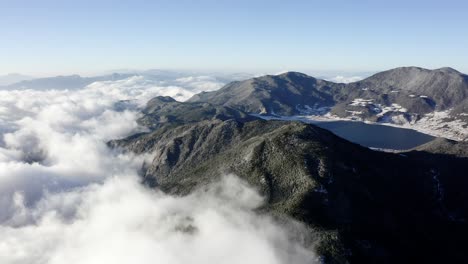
(13, 78)
(62, 82)
(192, 82)
(424, 99)
(366, 206)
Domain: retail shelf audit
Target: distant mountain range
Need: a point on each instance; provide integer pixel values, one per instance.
(62, 82)
(13, 78)
(364, 206)
(162, 77)
(434, 101)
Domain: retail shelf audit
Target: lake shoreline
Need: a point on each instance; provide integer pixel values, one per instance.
(368, 134)
(314, 119)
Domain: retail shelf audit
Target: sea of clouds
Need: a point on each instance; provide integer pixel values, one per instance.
(65, 197)
(345, 79)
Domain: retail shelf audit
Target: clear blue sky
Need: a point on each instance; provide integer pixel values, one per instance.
(48, 37)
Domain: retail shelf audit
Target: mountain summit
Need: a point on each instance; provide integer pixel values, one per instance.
(282, 94)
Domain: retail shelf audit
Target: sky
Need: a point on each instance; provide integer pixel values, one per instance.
(63, 37)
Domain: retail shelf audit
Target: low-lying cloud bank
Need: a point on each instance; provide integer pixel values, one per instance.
(67, 198)
(180, 89)
(345, 79)
(120, 221)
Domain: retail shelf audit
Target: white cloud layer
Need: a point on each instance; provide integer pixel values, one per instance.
(67, 198)
(345, 79)
(180, 89)
(122, 222)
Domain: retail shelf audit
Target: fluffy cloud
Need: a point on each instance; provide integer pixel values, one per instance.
(345, 79)
(145, 87)
(66, 197)
(122, 222)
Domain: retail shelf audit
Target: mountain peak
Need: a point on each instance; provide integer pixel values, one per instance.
(415, 69)
(405, 75)
(408, 69)
(449, 70)
(294, 74)
(165, 99)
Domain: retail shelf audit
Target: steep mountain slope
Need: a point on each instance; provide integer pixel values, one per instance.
(406, 95)
(445, 87)
(445, 147)
(447, 157)
(164, 110)
(366, 206)
(434, 101)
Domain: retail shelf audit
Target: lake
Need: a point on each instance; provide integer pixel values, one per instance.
(368, 135)
(376, 136)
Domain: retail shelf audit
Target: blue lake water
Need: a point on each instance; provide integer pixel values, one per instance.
(368, 135)
(377, 136)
